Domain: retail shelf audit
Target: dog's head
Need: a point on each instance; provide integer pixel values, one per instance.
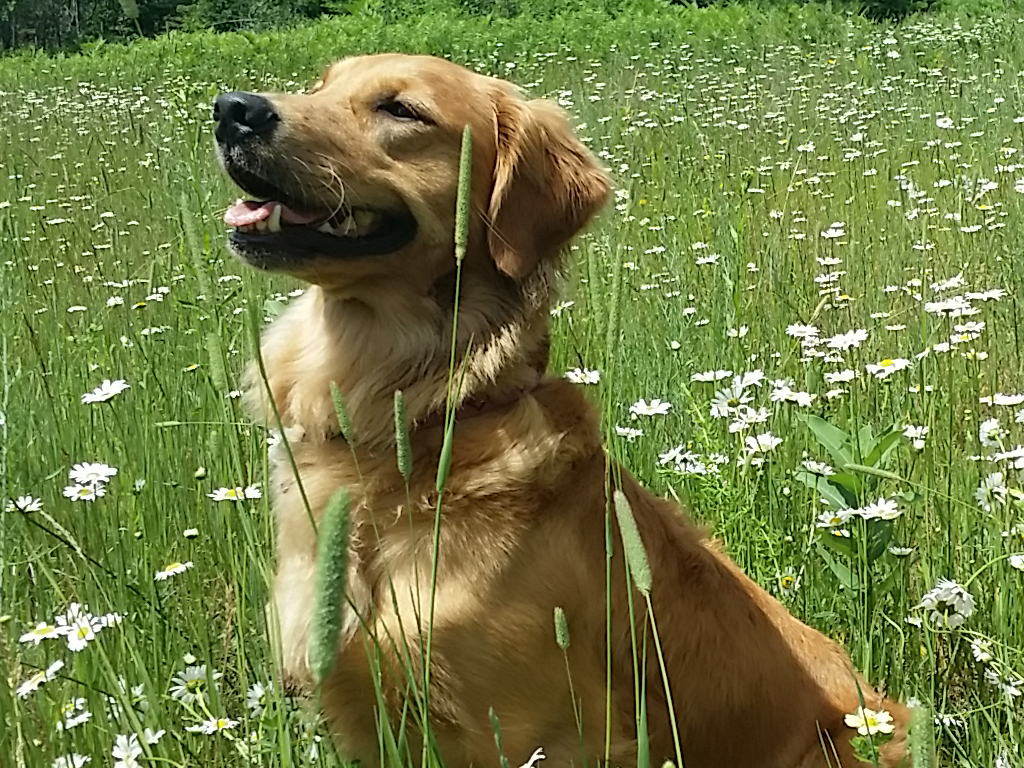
(357, 178)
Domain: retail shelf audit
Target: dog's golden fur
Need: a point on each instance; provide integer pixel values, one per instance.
(524, 508)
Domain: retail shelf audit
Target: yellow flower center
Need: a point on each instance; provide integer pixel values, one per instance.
(886, 363)
(788, 582)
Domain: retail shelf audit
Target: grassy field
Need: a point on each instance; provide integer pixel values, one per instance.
(783, 181)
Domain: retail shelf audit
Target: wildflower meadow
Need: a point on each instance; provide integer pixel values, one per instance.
(799, 317)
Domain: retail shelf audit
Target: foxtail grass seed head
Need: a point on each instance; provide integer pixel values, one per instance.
(632, 544)
(561, 629)
(344, 423)
(196, 251)
(462, 201)
(329, 598)
(402, 437)
(921, 737)
(216, 356)
(496, 727)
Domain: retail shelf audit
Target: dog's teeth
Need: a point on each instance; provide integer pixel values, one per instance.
(347, 225)
(274, 222)
(325, 228)
(261, 225)
(363, 221)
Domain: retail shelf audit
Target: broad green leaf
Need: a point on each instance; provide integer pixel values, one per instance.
(879, 455)
(841, 545)
(866, 440)
(879, 536)
(833, 439)
(829, 492)
(887, 585)
(849, 485)
(847, 578)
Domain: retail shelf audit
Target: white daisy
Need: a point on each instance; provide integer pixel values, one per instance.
(711, 376)
(727, 402)
(42, 631)
(88, 473)
(1008, 683)
(24, 504)
(991, 492)
(192, 683)
(763, 443)
(38, 679)
(73, 714)
(105, 391)
(834, 518)
(126, 751)
(817, 468)
(883, 509)
(79, 492)
(629, 433)
(868, 722)
(844, 341)
(840, 377)
(916, 435)
(583, 376)
(991, 433)
(885, 368)
(802, 332)
(213, 725)
(656, 407)
(259, 697)
(172, 569)
(949, 603)
(228, 494)
(981, 649)
(81, 633)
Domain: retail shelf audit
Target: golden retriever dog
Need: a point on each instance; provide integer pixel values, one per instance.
(352, 188)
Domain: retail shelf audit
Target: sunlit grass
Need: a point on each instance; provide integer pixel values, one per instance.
(833, 175)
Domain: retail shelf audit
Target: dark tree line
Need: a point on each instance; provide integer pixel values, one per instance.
(66, 23)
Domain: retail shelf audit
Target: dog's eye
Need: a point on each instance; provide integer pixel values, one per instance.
(397, 109)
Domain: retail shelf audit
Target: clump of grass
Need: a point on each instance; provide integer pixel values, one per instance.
(721, 239)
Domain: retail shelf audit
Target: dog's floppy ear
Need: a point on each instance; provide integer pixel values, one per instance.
(547, 185)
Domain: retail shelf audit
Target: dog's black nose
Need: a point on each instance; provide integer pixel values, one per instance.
(241, 116)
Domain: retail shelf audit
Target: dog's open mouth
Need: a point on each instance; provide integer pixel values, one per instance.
(274, 232)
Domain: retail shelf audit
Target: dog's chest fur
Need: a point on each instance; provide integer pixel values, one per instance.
(489, 523)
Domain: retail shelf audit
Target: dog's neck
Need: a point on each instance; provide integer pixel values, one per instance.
(387, 341)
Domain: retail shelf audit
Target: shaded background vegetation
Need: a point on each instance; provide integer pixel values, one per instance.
(67, 24)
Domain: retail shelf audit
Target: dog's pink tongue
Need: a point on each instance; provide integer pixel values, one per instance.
(246, 212)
